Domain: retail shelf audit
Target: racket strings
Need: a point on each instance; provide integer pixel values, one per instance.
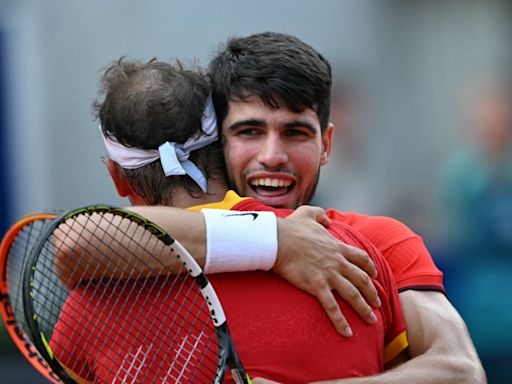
(157, 327)
(15, 262)
(108, 299)
(131, 276)
(15, 265)
(106, 238)
(99, 241)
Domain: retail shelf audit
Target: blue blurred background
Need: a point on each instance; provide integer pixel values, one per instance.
(421, 104)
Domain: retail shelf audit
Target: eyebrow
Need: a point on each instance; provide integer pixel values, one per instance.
(301, 123)
(246, 122)
(262, 123)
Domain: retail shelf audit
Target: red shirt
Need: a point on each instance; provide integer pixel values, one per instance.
(404, 250)
(281, 333)
(295, 341)
(124, 331)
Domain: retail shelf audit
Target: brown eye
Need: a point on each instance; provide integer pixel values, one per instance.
(297, 133)
(248, 132)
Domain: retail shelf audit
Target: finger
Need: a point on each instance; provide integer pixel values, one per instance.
(316, 213)
(323, 219)
(333, 310)
(319, 214)
(364, 284)
(360, 258)
(353, 297)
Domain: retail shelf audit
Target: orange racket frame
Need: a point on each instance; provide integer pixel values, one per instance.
(12, 327)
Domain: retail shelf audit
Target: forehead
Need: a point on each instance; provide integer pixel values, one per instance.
(253, 109)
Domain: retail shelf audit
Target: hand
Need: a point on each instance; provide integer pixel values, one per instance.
(314, 261)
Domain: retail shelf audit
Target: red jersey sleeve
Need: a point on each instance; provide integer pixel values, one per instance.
(410, 261)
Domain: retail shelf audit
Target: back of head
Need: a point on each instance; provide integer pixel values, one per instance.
(143, 105)
(280, 69)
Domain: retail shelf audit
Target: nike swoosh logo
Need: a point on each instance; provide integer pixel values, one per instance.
(254, 215)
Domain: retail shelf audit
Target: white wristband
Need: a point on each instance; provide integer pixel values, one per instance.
(239, 241)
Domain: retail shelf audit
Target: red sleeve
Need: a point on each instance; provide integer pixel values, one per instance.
(410, 261)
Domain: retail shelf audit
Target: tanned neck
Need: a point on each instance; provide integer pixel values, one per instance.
(217, 189)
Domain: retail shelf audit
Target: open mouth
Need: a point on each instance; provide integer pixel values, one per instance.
(271, 186)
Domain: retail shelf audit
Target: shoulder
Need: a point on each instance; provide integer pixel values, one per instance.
(249, 204)
(404, 250)
(383, 231)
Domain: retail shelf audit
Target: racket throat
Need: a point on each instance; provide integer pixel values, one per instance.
(239, 376)
(231, 358)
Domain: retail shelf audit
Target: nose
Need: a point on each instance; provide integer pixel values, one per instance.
(272, 152)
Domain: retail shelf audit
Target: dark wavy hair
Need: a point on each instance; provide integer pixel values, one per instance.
(280, 69)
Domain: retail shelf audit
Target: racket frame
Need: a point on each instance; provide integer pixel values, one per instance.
(11, 324)
(227, 351)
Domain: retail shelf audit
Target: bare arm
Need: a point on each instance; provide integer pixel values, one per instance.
(308, 257)
(440, 347)
(79, 243)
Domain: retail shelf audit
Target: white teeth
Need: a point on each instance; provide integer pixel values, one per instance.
(268, 182)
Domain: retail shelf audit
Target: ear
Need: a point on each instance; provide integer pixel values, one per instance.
(326, 144)
(119, 179)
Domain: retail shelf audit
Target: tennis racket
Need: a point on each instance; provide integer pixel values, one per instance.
(14, 251)
(129, 320)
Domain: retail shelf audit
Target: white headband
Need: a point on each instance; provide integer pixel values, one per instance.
(173, 156)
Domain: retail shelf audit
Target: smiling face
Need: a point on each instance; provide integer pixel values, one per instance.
(274, 154)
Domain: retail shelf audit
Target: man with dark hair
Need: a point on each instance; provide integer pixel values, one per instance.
(279, 73)
(140, 104)
(329, 266)
(272, 109)
(271, 92)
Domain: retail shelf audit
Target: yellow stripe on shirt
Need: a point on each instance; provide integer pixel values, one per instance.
(394, 348)
(230, 200)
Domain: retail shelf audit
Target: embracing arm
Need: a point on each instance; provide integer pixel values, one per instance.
(308, 257)
(440, 347)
